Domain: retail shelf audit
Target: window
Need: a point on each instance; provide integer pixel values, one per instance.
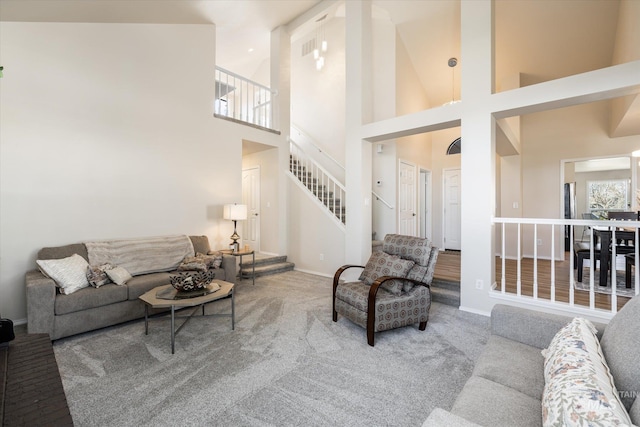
(609, 195)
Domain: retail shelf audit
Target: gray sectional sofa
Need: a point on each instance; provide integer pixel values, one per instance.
(49, 311)
(506, 387)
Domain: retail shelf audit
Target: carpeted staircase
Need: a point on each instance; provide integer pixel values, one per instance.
(265, 265)
(445, 292)
(322, 193)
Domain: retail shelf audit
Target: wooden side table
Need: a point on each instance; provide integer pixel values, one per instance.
(242, 253)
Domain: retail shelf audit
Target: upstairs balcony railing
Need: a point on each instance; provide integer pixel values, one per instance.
(243, 100)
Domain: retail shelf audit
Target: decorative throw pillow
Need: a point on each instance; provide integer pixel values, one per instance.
(97, 275)
(579, 388)
(70, 274)
(382, 264)
(214, 257)
(119, 275)
(193, 266)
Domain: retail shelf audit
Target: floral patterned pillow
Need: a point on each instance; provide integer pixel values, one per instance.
(382, 264)
(579, 388)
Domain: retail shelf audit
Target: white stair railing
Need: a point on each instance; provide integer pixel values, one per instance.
(241, 99)
(318, 182)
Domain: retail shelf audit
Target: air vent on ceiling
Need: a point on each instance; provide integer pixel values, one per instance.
(308, 47)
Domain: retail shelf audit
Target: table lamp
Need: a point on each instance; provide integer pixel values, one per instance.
(235, 213)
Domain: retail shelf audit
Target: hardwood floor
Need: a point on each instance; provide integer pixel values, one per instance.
(448, 268)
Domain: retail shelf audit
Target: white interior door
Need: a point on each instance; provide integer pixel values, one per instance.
(407, 216)
(451, 206)
(251, 198)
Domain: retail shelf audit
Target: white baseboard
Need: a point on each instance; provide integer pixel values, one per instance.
(315, 273)
(267, 253)
(475, 311)
(20, 321)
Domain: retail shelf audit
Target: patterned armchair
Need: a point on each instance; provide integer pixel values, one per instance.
(394, 288)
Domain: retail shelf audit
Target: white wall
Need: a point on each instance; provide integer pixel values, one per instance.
(317, 97)
(107, 131)
(547, 138)
(313, 235)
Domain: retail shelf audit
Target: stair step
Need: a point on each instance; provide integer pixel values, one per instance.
(247, 263)
(267, 269)
(445, 296)
(446, 284)
(445, 292)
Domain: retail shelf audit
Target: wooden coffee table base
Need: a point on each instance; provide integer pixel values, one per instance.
(150, 300)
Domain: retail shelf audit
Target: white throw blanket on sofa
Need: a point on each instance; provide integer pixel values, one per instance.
(141, 256)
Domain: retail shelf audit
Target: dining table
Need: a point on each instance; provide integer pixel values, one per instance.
(605, 234)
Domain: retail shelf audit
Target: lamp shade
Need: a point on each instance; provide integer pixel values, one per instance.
(235, 212)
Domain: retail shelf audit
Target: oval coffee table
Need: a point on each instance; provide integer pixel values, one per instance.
(151, 299)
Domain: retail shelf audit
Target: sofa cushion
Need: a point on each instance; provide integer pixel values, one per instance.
(579, 389)
(522, 370)
(621, 346)
(89, 297)
(58, 252)
(70, 274)
(634, 412)
(200, 244)
(141, 284)
(218, 273)
(492, 404)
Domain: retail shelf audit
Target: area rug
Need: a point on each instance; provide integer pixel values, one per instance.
(621, 289)
(285, 364)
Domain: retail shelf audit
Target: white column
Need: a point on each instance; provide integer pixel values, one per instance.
(281, 83)
(478, 162)
(358, 111)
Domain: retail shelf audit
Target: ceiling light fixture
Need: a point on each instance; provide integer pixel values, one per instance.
(321, 44)
(452, 62)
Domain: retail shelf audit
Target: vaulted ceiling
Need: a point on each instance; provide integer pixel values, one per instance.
(541, 40)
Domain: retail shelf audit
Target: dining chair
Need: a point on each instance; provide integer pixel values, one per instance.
(624, 246)
(587, 215)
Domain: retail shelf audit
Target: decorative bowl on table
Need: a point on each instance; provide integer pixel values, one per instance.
(189, 282)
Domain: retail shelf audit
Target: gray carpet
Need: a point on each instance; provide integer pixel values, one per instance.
(286, 364)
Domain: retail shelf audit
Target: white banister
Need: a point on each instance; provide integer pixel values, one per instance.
(384, 202)
(318, 181)
(569, 300)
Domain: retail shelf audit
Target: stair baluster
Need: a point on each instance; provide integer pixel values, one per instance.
(318, 181)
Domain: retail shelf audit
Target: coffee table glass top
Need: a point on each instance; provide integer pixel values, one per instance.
(151, 298)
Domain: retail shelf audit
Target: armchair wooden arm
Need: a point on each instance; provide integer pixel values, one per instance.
(336, 280)
(371, 304)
